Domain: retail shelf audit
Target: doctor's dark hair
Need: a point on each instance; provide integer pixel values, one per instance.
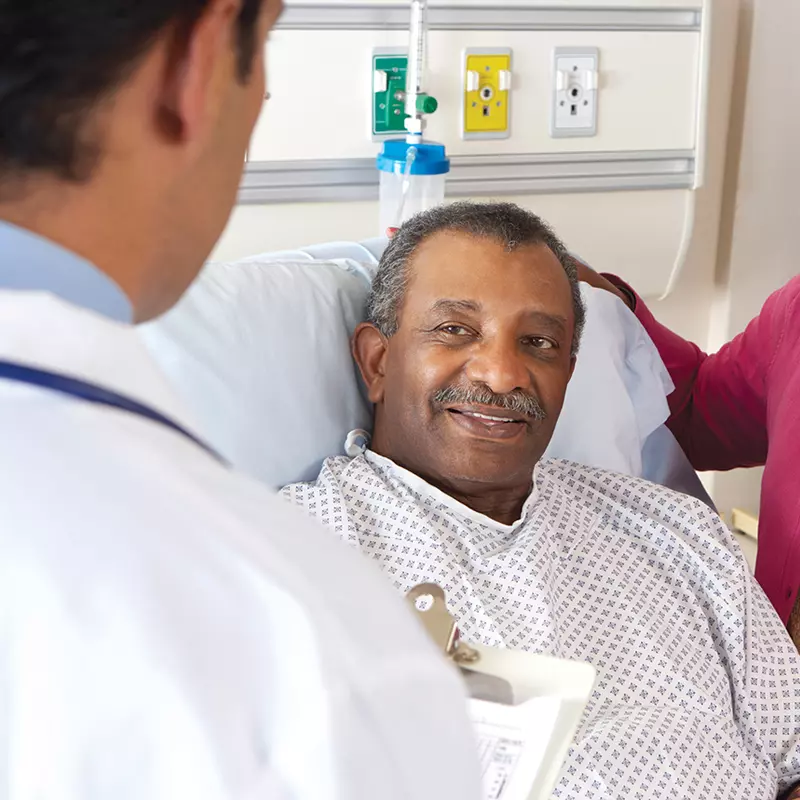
(506, 223)
(59, 59)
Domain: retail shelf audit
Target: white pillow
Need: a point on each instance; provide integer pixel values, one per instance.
(259, 351)
(618, 393)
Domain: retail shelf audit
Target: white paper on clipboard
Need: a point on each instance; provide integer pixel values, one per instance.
(523, 743)
(512, 744)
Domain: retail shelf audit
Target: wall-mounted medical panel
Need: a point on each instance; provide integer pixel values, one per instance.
(388, 95)
(576, 73)
(487, 84)
(647, 92)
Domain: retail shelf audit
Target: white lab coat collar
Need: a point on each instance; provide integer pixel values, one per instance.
(39, 330)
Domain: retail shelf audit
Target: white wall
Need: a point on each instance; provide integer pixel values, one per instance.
(650, 224)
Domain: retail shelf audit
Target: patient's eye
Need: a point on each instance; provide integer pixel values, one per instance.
(540, 343)
(452, 329)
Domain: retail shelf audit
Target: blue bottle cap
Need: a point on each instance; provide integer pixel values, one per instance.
(430, 159)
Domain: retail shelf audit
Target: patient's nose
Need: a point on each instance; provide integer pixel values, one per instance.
(499, 365)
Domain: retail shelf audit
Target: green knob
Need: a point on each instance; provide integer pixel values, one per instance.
(427, 104)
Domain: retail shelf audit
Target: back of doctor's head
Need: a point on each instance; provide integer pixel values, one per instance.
(135, 114)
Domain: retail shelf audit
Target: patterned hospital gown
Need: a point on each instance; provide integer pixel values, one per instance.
(698, 692)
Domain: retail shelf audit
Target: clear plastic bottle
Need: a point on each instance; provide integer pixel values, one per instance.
(412, 179)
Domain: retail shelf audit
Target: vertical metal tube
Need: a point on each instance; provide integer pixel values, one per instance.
(417, 48)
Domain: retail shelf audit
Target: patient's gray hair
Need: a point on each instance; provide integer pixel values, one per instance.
(507, 223)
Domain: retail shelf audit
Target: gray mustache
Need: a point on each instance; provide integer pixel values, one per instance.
(518, 402)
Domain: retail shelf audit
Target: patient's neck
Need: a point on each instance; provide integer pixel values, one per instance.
(501, 503)
(504, 505)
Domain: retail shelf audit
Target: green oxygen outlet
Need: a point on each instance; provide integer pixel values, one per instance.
(427, 104)
(389, 93)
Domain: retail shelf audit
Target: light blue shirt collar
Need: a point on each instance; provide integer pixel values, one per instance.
(31, 263)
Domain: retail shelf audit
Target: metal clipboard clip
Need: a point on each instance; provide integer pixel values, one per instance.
(430, 605)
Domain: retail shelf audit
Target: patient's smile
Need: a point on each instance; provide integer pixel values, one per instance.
(489, 424)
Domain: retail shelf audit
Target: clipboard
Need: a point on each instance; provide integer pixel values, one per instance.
(525, 707)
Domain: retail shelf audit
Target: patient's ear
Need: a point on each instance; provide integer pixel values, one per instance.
(369, 351)
(572, 362)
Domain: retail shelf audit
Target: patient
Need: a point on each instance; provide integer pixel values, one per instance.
(475, 321)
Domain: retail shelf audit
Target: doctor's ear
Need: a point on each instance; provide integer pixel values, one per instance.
(192, 92)
(369, 351)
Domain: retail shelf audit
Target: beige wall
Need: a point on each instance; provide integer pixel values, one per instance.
(760, 227)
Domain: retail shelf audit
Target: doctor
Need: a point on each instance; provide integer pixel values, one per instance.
(167, 628)
(741, 408)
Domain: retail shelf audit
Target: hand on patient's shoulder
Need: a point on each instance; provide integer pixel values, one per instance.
(587, 275)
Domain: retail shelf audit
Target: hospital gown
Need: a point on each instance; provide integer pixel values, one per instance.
(698, 690)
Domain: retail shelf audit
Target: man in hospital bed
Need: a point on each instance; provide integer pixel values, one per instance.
(475, 319)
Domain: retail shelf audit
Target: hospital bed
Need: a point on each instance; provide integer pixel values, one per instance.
(258, 350)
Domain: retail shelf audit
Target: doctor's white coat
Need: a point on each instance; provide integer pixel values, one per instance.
(170, 630)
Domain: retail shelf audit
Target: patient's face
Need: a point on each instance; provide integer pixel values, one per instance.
(474, 380)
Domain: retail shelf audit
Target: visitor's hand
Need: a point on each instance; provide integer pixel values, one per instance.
(588, 275)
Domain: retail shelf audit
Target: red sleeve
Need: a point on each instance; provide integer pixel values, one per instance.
(719, 406)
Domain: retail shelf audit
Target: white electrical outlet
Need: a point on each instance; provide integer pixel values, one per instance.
(575, 88)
